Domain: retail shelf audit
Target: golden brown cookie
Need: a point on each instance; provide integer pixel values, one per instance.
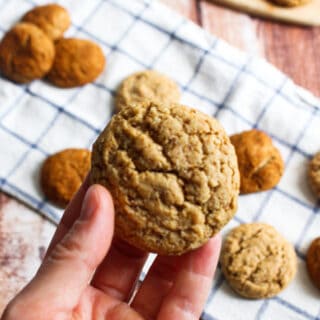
(26, 53)
(76, 63)
(63, 173)
(313, 262)
(257, 261)
(147, 85)
(260, 162)
(52, 19)
(173, 175)
(290, 3)
(314, 174)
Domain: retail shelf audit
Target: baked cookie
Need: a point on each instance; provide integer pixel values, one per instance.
(63, 173)
(52, 19)
(76, 63)
(26, 53)
(313, 262)
(257, 261)
(260, 162)
(173, 175)
(290, 3)
(314, 174)
(150, 85)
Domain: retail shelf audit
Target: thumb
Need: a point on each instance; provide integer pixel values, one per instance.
(68, 269)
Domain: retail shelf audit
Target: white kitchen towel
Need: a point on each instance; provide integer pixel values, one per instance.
(243, 92)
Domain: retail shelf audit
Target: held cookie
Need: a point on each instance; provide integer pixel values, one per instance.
(63, 173)
(314, 174)
(26, 53)
(147, 85)
(52, 19)
(76, 63)
(290, 3)
(260, 162)
(313, 262)
(257, 261)
(173, 175)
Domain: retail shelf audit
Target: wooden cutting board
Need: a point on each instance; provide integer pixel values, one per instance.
(308, 14)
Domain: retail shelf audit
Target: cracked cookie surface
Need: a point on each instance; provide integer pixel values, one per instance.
(313, 262)
(62, 174)
(173, 175)
(147, 85)
(260, 162)
(257, 261)
(52, 19)
(77, 62)
(26, 53)
(314, 174)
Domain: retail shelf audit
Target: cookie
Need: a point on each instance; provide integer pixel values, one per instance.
(63, 173)
(26, 53)
(313, 262)
(290, 3)
(173, 175)
(257, 261)
(150, 85)
(76, 63)
(52, 19)
(260, 162)
(314, 174)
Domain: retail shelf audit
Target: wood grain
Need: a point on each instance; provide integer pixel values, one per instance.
(238, 29)
(188, 8)
(292, 49)
(24, 237)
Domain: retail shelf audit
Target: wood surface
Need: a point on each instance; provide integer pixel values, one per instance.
(24, 234)
(24, 237)
(293, 49)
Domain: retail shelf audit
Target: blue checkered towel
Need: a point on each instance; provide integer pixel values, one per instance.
(241, 91)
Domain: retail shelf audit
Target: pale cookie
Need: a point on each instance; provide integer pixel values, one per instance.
(290, 3)
(52, 19)
(260, 162)
(257, 261)
(63, 173)
(26, 53)
(314, 174)
(313, 262)
(76, 63)
(173, 175)
(147, 85)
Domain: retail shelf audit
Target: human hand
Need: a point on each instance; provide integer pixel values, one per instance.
(86, 275)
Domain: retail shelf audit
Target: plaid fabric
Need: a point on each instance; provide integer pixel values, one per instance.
(242, 92)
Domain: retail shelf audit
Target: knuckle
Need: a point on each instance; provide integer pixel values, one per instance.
(70, 249)
(67, 248)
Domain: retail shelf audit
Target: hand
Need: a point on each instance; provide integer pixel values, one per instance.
(86, 276)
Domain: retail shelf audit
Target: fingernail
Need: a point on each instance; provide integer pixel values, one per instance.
(88, 205)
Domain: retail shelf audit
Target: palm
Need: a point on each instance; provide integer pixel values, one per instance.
(94, 302)
(169, 283)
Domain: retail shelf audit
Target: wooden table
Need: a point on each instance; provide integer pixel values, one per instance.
(24, 235)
